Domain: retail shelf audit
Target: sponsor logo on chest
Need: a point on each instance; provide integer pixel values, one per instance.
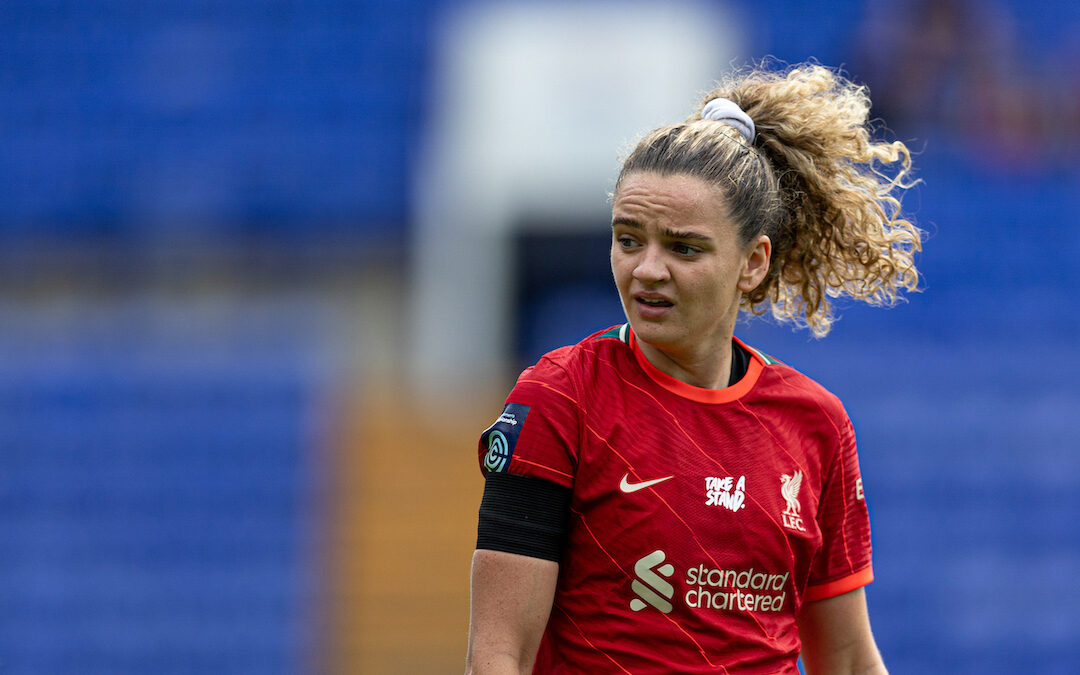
(705, 587)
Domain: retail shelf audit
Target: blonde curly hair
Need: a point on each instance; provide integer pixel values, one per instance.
(814, 180)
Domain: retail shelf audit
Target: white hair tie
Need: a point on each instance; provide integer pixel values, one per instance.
(727, 111)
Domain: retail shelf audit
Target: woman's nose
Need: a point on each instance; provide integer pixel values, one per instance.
(651, 267)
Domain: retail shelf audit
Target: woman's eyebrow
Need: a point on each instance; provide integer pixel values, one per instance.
(626, 222)
(679, 234)
(666, 231)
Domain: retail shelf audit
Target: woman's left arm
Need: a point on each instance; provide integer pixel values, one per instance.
(836, 637)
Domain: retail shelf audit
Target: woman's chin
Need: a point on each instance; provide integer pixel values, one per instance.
(653, 332)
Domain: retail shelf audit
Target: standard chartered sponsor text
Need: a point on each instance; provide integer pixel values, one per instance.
(735, 590)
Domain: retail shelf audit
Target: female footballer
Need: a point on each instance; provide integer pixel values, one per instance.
(662, 497)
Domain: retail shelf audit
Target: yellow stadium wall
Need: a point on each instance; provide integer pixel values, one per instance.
(404, 526)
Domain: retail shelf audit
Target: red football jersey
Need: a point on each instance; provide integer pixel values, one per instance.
(701, 519)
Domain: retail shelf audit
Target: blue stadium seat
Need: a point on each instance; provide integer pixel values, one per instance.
(156, 517)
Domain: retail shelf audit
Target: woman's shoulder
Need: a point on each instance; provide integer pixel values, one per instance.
(781, 379)
(579, 359)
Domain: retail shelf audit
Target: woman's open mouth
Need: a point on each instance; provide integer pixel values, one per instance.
(653, 307)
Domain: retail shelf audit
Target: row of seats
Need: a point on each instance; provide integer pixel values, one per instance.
(157, 488)
(125, 118)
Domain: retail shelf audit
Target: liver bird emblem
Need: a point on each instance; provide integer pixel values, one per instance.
(789, 489)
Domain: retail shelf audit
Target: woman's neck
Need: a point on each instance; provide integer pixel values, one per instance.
(709, 370)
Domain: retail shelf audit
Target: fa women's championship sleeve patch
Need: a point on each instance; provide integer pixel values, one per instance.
(501, 437)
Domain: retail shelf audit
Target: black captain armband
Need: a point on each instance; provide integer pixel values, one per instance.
(523, 515)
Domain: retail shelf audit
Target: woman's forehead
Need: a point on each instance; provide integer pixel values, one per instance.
(667, 196)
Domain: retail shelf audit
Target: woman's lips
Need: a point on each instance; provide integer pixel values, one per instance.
(652, 307)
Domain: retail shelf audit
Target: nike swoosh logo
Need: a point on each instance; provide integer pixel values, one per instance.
(628, 487)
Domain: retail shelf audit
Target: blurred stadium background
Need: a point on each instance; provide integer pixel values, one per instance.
(267, 269)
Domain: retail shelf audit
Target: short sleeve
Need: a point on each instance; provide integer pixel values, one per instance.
(844, 561)
(537, 434)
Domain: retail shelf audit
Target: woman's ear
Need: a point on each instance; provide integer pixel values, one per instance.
(756, 263)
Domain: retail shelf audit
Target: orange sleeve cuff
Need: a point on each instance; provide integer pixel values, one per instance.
(832, 589)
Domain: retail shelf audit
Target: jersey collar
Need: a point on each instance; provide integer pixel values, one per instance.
(689, 391)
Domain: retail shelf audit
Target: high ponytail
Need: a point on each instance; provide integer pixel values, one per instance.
(814, 180)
